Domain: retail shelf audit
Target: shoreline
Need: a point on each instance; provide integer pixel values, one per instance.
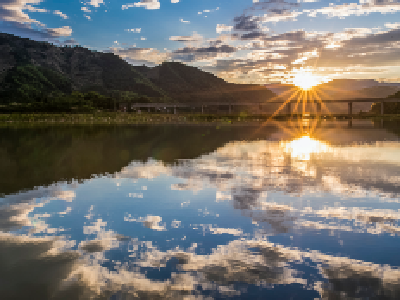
(171, 119)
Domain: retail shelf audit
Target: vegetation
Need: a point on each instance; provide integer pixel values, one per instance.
(388, 107)
(38, 76)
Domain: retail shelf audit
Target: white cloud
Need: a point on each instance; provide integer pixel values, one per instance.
(285, 16)
(208, 10)
(174, 1)
(95, 3)
(223, 28)
(62, 31)
(188, 22)
(85, 9)
(147, 4)
(142, 38)
(138, 30)
(350, 9)
(59, 13)
(139, 56)
(34, 9)
(195, 37)
(392, 25)
(12, 11)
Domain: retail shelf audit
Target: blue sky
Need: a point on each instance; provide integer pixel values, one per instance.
(239, 40)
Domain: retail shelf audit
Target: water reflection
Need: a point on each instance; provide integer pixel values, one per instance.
(279, 217)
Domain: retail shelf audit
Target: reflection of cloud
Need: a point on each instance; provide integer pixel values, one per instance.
(175, 224)
(152, 222)
(338, 170)
(219, 230)
(33, 267)
(15, 209)
(262, 166)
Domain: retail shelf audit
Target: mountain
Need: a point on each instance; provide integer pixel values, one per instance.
(30, 70)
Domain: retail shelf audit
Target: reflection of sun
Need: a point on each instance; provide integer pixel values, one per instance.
(303, 147)
(305, 80)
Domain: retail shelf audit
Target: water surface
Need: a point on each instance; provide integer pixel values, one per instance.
(285, 211)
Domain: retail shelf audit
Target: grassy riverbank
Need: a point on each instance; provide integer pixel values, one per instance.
(148, 118)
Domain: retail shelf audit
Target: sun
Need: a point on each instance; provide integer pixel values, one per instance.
(306, 80)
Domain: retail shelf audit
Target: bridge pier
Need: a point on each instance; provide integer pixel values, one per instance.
(202, 109)
(318, 108)
(350, 108)
(148, 109)
(382, 110)
(289, 108)
(230, 108)
(174, 109)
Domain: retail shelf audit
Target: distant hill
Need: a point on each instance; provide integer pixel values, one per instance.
(30, 69)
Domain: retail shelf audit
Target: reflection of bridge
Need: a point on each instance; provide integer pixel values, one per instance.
(260, 105)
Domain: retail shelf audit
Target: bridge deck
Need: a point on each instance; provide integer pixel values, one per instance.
(288, 104)
(205, 104)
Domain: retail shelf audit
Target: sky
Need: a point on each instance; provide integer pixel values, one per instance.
(242, 41)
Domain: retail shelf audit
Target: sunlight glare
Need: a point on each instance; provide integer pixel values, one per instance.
(306, 80)
(303, 147)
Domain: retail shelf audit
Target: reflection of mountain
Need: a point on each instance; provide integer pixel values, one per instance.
(244, 172)
(41, 156)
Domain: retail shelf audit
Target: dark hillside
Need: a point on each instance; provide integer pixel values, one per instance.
(190, 84)
(31, 70)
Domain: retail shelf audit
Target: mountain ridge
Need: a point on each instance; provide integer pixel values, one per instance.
(24, 64)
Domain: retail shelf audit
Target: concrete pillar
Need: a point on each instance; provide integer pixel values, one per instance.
(289, 108)
(318, 108)
(350, 124)
(174, 109)
(350, 110)
(149, 109)
(382, 110)
(202, 109)
(230, 108)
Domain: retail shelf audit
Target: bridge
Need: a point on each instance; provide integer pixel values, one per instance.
(288, 105)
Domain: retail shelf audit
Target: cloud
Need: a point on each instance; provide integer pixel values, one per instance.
(95, 3)
(181, 20)
(86, 9)
(223, 28)
(350, 9)
(18, 22)
(139, 56)
(59, 13)
(222, 48)
(195, 37)
(137, 30)
(147, 4)
(207, 11)
(246, 23)
(393, 25)
(285, 15)
(12, 11)
(174, 1)
(62, 31)
(152, 222)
